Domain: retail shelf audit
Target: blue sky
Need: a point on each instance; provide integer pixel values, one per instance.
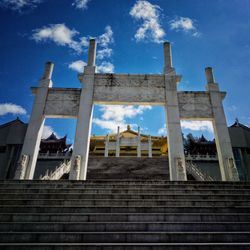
(130, 33)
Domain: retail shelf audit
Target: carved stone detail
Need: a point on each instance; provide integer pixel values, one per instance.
(233, 172)
(126, 80)
(180, 169)
(76, 167)
(21, 168)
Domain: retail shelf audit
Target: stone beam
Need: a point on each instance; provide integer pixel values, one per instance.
(129, 89)
(64, 102)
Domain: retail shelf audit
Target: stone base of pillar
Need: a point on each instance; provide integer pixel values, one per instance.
(75, 168)
(22, 167)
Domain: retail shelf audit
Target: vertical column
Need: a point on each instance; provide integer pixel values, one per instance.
(79, 160)
(149, 146)
(139, 143)
(27, 162)
(117, 149)
(106, 154)
(177, 167)
(223, 144)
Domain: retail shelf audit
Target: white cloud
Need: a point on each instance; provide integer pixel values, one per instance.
(80, 4)
(78, 66)
(19, 5)
(106, 38)
(120, 112)
(10, 108)
(116, 115)
(102, 53)
(58, 33)
(232, 108)
(47, 131)
(110, 125)
(197, 125)
(185, 24)
(190, 125)
(162, 130)
(84, 41)
(61, 35)
(105, 67)
(150, 28)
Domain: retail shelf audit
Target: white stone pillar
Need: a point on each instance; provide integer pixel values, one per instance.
(222, 139)
(106, 153)
(149, 146)
(139, 143)
(84, 121)
(117, 148)
(27, 164)
(177, 166)
(168, 65)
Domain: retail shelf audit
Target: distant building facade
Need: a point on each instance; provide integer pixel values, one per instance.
(128, 143)
(11, 141)
(240, 139)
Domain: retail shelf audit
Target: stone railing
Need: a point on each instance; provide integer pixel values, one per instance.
(199, 157)
(197, 173)
(64, 168)
(60, 155)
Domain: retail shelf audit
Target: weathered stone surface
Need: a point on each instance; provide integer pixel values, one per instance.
(129, 89)
(124, 214)
(195, 105)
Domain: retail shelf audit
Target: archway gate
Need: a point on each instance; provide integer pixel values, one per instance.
(142, 89)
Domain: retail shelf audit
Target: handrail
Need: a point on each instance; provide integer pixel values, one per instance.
(57, 174)
(197, 172)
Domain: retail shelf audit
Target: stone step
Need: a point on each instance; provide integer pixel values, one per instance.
(63, 181)
(123, 184)
(124, 226)
(128, 187)
(123, 237)
(126, 246)
(122, 191)
(122, 209)
(144, 196)
(124, 202)
(125, 217)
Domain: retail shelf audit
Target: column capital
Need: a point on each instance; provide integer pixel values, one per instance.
(45, 81)
(92, 52)
(168, 65)
(211, 84)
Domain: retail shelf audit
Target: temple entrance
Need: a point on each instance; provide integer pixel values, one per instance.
(127, 89)
(128, 131)
(200, 149)
(56, 146)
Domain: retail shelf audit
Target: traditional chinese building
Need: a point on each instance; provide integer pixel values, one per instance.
(128, 143)
(199, 146)
(52, 144)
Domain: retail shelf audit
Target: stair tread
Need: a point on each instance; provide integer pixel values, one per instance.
(128, 212)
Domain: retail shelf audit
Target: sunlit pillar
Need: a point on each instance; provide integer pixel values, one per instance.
(222, 139)
(117, 148)
(79, 160)
(139, 143)
(177, 166)
(149, 147)
(30, 150)
(106, 154)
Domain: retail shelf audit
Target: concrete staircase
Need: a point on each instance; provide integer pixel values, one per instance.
(124, 214)
(128, 167)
